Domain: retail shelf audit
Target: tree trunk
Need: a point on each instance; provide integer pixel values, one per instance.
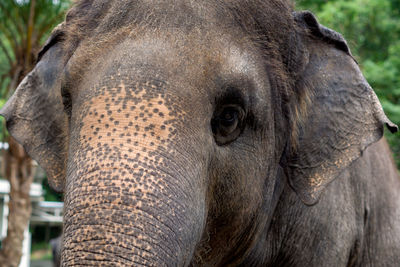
(19, 173)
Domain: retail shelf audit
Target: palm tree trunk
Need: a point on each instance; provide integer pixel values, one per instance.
(19, 174)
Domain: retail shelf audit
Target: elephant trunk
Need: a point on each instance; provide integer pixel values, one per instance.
(130, 223)
(134, 195)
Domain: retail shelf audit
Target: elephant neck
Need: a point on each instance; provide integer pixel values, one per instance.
(246, 246)
(260, 251)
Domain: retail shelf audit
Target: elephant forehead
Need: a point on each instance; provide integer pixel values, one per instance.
(125, 110)
(187, 61)
(130, 124)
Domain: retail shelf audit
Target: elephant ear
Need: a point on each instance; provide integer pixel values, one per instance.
(344, 115)
(35, 114)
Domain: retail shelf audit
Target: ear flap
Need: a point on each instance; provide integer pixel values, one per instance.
(343, 118)
(36, 119)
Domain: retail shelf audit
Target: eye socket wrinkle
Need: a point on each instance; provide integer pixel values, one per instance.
(231, 95)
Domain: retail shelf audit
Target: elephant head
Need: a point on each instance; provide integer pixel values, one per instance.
(172, 128)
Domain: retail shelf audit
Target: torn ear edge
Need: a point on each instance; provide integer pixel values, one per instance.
(393, 128)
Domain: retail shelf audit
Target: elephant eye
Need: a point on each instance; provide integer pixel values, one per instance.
(227, 124)
(228, 120)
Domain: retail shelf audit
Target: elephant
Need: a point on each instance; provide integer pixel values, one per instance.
(209, 133)
(55, 245)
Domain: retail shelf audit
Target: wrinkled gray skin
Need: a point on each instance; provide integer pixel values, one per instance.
(209, 133)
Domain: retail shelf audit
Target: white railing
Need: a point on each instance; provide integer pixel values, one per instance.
(47, 212)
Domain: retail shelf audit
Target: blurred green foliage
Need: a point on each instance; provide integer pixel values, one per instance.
(21, 38)
(372, 30)
(50, 194)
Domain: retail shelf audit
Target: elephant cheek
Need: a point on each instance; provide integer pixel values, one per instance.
(128, 198)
